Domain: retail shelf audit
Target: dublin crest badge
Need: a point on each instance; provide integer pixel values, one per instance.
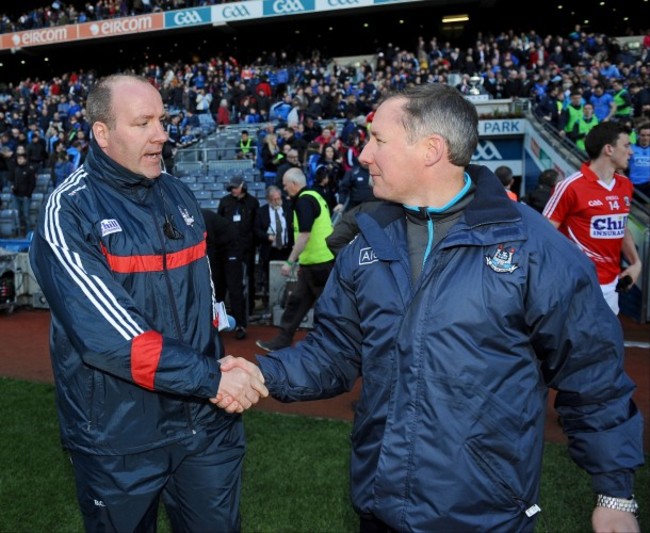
(501, 261)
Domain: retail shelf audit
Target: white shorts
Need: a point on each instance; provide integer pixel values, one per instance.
(611, 296)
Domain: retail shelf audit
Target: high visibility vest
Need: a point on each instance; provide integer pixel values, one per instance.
(574, 116)
(316, 250)
(584, 128)
(245, 147)
(622, 109)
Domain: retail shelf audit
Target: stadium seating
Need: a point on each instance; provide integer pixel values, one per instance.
(9, 223)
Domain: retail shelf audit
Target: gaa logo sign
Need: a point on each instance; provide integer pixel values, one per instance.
(285, 7)
(188, 18)
(486, 151)
(235, 12)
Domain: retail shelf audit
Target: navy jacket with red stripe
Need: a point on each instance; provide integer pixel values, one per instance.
(133, 339)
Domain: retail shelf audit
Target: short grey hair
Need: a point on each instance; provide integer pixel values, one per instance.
(438, 109)
(297, 176)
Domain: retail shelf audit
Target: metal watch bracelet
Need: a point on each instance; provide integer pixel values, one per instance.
(620, 504)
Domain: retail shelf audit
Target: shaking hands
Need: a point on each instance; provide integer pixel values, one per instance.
(241, 386)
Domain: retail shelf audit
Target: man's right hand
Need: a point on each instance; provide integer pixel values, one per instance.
(241, 386)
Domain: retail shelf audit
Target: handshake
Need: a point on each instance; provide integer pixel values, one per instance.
(241, 386)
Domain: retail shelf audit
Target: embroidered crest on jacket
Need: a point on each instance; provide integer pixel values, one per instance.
(501, 261)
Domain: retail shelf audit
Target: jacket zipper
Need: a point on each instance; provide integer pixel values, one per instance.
(177, 322)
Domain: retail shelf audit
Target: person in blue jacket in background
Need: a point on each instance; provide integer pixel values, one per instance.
(460, 309)
(120, 254)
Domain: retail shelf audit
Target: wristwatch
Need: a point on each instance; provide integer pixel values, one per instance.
(629, 505)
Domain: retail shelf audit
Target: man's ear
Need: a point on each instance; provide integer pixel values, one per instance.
(435, 148)
(101, 134)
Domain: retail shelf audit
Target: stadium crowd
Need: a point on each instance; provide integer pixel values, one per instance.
(61, 13)
(318, 110)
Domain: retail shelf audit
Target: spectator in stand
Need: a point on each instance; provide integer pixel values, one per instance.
(203, 101)
(538, 198)
(639, 168)
(312, 129)
(36, 152)
(572, 112)
(623, 101)
(290, 161)
(583, 126)
(641, 99)
(332, 160)
(290, 137)
(223, 113)
(61, 168)
(252, 116)
(603, 102)
(23, 183)
(352, 149)
(270, 154)
(608, 70)
(354, 189)
(592, 206)
(323, 186)
(246, 146)
(504, 173)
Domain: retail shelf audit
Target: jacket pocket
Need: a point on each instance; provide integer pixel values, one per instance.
(495, 470)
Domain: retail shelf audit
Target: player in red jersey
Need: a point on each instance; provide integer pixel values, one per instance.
(591, 208)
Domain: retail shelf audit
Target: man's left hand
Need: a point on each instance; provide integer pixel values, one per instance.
(605, 520)
(634, 271)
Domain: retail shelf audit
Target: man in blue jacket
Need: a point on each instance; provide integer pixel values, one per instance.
(120, 254)
(460, 309)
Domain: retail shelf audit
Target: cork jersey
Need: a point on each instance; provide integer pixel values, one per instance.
(594, 216)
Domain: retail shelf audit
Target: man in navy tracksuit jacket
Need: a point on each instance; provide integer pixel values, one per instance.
(120, 254)
(460, 309)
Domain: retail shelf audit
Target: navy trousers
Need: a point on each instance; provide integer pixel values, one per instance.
(198, 479)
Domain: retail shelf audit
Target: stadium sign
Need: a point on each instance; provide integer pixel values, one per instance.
(188, 17)
(237, 11)
(331, 5)
(38, 37)
(121, 26)
(494, 153)
(501, 127)
(287, 7)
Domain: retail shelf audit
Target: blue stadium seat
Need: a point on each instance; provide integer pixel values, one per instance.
(9, 223)
(203, 195)
(209, 204)
(187, 168)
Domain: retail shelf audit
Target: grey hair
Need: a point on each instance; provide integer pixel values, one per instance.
(297, 176)
(271, 189)
(438, 109)
(99, 104)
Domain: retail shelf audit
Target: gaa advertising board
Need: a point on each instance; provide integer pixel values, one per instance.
(218, 14)
(501, 143)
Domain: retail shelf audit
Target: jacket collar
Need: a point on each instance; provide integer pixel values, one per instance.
(490, 203)
(112, 173)
(489, 206)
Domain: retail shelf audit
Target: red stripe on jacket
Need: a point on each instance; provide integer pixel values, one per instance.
(131, 264)
(145, 355)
